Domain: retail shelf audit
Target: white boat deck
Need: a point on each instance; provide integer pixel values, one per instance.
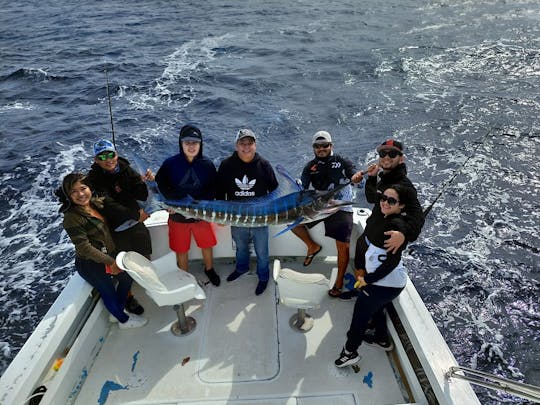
(243, 351)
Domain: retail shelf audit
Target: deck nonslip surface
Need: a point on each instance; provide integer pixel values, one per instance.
(242, 352)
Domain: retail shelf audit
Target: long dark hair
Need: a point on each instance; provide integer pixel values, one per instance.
(403, 192)
(64, 190)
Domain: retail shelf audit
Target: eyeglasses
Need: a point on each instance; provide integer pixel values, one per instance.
(107, 155)
(389, 200)
(321, 145)
(391, 153)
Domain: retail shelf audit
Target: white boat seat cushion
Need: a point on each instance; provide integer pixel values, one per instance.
(304, 278)
(301, 290)
(143, 271)
(162, 280)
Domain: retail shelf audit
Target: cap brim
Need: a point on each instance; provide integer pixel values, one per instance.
(246, 136)
(388, 147)
(104, 150)
(191, 138)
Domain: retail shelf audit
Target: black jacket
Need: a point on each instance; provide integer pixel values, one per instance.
(125, 187)
(413, 214)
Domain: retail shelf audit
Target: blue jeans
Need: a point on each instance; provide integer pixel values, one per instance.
(369, 304)
(113, 298)
(259, 235)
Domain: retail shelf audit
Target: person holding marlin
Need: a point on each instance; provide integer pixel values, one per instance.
(190, 173)
(325, 172)
(242, 176)
(112, 176)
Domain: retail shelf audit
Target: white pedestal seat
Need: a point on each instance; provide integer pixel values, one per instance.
(301, 291)
(165, 284)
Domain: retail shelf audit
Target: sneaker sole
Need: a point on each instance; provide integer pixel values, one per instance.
(386, 349)
(349, 362)
(350, 298)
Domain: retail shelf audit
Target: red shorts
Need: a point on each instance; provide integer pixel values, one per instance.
(180, 235)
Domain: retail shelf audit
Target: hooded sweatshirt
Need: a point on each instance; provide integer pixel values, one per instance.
(178, 178)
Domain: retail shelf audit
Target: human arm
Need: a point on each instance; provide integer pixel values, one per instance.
(360, 252)
(414, 219)
(211, 183)
(304, 177)
(394, 241)
(85, 234)
(117, 213)
(135, 185)
(271, 178)
(388, 261)
(220, 186)
(372, 194)
(163, 181)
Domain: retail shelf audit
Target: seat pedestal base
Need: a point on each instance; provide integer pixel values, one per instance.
(301, 322)
(185, 324)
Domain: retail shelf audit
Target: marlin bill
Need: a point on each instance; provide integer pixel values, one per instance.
(295, 208)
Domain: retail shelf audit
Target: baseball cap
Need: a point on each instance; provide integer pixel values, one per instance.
(190, 133)
(390, 144)
(245, 133)
(103, 146)
(322, 137)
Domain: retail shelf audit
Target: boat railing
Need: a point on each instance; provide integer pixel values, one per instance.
(487, 380)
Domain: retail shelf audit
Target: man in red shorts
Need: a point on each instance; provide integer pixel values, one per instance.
(190, 173)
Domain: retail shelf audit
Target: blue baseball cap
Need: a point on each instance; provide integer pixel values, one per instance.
(103, 146)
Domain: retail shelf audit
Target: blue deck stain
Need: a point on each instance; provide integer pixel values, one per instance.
(135, 358)
(368, 379)
(107, 388)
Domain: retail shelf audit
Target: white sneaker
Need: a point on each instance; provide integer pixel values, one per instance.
(134, 321)
(113, 319)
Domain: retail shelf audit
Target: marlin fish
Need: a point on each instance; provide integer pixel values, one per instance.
(297, 207)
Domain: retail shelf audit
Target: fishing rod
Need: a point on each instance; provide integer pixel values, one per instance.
(448, 182)
(110, 108)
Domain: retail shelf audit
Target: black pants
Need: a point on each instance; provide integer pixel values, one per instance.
(369, 305)
(136, 238)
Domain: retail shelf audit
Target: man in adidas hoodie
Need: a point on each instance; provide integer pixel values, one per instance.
(244, 175)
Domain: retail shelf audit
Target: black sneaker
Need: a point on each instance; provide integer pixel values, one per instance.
(261, 286)
(234, 275)
(385, 344)
(133, 306)
(213, 277)
(347, 358)
(347, 295)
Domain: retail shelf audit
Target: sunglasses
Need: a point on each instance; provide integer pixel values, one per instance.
(389, 200)
(107, 155)
(391, 153)
(321, 145)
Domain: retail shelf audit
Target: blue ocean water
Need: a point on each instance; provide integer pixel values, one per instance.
(458, 81)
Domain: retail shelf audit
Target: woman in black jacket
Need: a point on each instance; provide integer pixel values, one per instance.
(381, 274)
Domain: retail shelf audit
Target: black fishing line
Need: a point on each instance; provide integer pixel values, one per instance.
(479, 142)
